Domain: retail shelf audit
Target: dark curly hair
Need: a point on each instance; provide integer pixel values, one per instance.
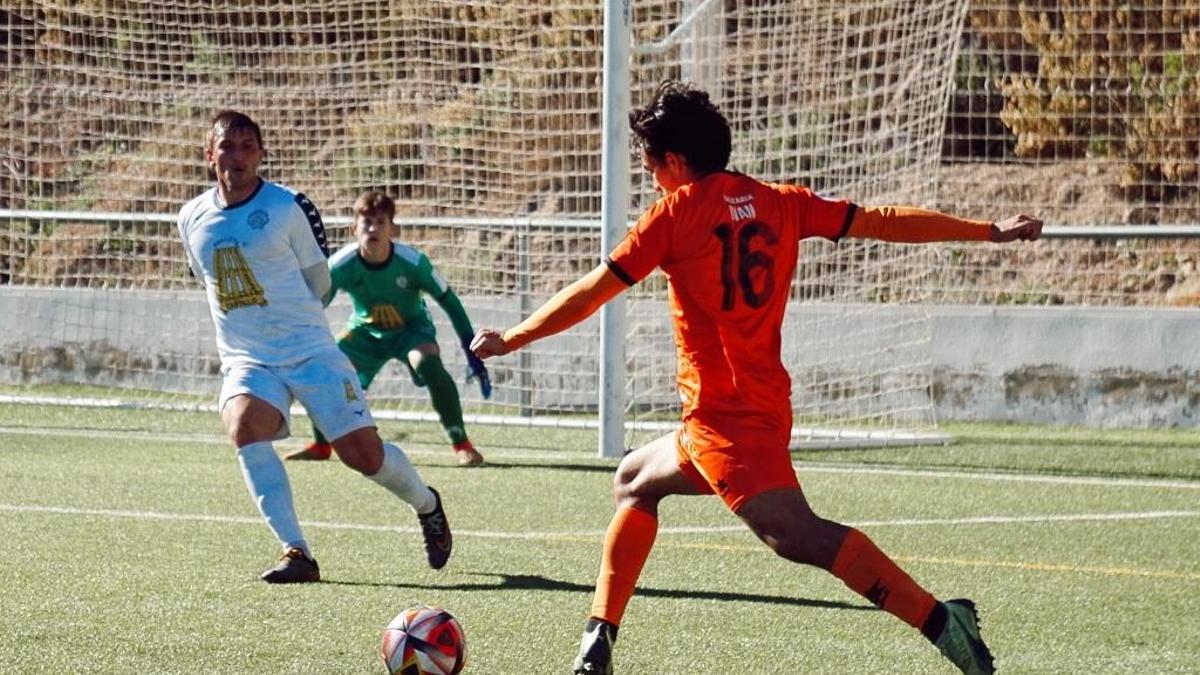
(682, 119)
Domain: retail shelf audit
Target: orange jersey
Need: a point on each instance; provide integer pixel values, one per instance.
(728, 244)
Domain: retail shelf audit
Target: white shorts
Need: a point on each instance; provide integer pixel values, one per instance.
(326, 385)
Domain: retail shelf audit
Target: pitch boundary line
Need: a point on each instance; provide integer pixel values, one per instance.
(801, 467)
(1017, 477)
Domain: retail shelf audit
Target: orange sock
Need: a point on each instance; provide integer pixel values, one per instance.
(627, 544)
(870, 573)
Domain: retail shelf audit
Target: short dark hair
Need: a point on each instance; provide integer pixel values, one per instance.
(682, 119)
(374, 201)
(231, 120)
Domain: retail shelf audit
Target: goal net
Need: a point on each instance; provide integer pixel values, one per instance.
(848, 99)
(483, 121)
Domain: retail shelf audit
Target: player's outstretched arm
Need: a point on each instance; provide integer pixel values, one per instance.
(906, 224)
(568, 307)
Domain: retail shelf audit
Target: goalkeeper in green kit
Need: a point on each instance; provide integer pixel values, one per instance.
(385, 281)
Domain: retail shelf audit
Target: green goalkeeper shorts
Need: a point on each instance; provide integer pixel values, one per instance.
(369, 353)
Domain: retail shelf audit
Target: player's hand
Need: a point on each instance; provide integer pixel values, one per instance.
(476, 370)
(1021, 227)
(488, 343)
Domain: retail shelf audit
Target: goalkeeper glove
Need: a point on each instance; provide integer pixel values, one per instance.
(476, 369)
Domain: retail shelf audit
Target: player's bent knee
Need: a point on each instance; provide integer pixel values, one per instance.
(361, 450)
(625, 481)
(425, 355)
(362, 460)
(795, 551)
(249, 420)
(807, 540)
(637, 492)
(786, 543)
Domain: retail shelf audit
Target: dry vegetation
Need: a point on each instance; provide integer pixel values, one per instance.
(1100, 79)
(490, 108)
(1113, 81)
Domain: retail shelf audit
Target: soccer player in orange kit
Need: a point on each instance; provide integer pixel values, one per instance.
(728, 245)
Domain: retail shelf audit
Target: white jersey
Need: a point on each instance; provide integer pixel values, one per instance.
(250, 256)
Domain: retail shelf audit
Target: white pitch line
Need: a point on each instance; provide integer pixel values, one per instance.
(1004, 520)
(812, 467)
(489, 534)
(109, 434)
(801, 467)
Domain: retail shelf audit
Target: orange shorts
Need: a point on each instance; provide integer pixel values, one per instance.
(736, 458)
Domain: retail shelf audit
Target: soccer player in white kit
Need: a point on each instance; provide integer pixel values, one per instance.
(259, 248)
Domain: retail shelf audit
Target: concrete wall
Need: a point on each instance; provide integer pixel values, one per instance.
(1088, 366)
(1097, 367)
(163, 341)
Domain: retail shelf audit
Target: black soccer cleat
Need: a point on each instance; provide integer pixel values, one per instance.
(436, 531)
(960, 641)
(294, 567)
(595, 649)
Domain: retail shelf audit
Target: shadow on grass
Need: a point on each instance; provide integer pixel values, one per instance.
(531, 582)
(565, 466)
(490, 465)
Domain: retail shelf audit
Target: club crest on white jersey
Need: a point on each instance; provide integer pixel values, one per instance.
(250, 257)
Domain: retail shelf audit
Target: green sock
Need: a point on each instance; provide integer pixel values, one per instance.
(444, 395)
(318, 436)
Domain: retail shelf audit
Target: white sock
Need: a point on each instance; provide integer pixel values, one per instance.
(401, 479)
(268, 484)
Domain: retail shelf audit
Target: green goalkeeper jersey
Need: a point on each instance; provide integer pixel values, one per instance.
(388, 297)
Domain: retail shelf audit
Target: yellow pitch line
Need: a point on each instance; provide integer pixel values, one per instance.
(962, 562)
(1055, 567)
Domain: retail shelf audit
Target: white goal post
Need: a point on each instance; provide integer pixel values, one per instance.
(484, 120)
